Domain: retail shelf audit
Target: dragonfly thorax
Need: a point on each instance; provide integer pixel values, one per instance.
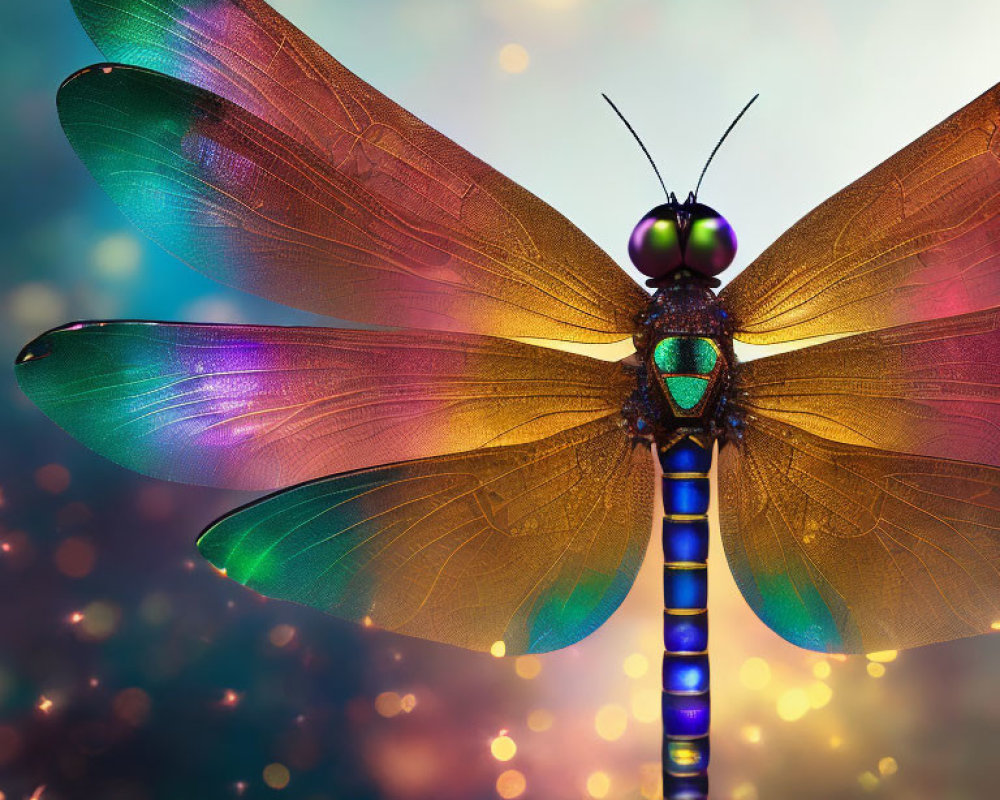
(683, 359)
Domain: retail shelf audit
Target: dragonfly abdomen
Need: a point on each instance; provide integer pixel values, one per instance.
(686, 697)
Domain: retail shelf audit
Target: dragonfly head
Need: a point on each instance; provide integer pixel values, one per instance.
(677, 236)
(678, 241)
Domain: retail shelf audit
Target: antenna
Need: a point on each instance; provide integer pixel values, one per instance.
(644, 150)
(717, 146)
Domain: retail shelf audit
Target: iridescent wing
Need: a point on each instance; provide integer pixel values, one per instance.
(307, 186)
(847, 549)
(260, 408)
(534, 545)
(929, 389)
(917, 238)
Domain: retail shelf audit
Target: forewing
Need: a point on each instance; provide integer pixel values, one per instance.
(917, 238)
(421, 232)
(848, 549)
(930, 389)
(534, 545)
(253, 407)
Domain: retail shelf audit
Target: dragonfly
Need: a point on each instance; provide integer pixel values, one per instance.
(447, 477)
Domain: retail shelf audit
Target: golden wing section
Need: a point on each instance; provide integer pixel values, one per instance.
(929, 389)
(917, 238)
(533, 545)
(847, 549)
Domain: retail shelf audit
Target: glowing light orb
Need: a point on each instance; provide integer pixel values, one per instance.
(793, 705)
(514, 58)
(528, 667)
(887, 766)
(503, 748)
(611, 722)
(636, 665)
(755, 674)
(277, 776)
(511, 784)
(598, 784)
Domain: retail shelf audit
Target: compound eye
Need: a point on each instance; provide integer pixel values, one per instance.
(711, 242)
(655, 245)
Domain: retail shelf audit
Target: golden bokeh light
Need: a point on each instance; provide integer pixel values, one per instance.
(636, 665)
(611, 722)
(277, 776)
(822, 670)
(514, 58)
(503, 748)
(887, 766)
(528, 667)
(884, 656)
(540, 720)
(755, 674)
(869, 781)
(281, 635)
(745, 791)
(388, 704)
(752, 734)
(511, 784)
(598, 784)
(498, 649)
(793, 705)
(875, 669)
(819, 695)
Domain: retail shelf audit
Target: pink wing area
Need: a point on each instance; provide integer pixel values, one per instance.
(917, 238)
(930, 389)
(258, 407)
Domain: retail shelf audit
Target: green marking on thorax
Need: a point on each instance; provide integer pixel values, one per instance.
(690, 356)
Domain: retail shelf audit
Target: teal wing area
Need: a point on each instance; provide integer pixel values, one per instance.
(847, 549)
(533, 545)
(259, 407)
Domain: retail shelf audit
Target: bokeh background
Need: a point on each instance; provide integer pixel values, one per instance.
(129, 670)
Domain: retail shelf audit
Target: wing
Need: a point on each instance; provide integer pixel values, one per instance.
(374, 215)
(848, 549)
(259, 408)
(929, 389)
(534, 545)
(917, 238)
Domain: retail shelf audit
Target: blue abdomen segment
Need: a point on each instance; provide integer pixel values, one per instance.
(686, 696)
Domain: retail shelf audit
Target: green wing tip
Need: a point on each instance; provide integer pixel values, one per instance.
(35, 350)
(43, 346)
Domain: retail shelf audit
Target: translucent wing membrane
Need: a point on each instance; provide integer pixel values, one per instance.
(252, 208)
(848, 549)
(259, 408)
(930, 389)
(377, 217)
(534, 545)
(917, 238)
